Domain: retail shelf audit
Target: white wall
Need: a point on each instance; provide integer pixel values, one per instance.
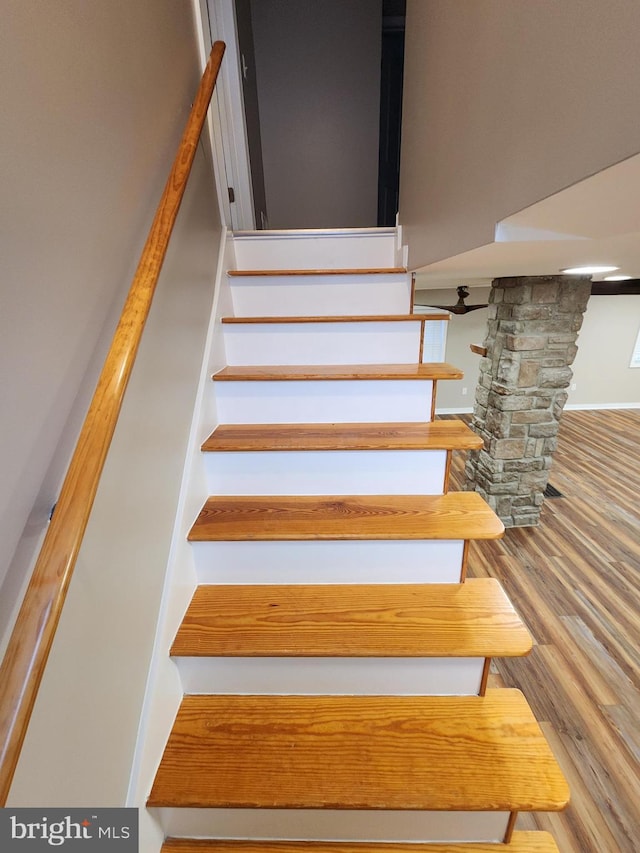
(506, 102)
(93, 101)
(601, 371)
(318, 74)
(80, 743)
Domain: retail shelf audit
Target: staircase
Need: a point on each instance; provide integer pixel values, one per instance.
(334, 657)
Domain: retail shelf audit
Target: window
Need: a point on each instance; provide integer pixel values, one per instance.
(635, 356)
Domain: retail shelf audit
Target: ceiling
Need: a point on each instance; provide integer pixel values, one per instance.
(594, 221)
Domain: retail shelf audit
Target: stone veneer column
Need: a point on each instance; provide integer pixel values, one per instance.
(531, 343)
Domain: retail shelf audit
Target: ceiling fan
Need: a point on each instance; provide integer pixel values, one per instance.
(460, 307)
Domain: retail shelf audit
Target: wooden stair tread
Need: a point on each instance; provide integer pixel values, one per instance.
(428, 435)
(359, 752)
(364, 318)
(456, 515)
(296, 372)
(352, 271)
(474, 619)
(521, 842)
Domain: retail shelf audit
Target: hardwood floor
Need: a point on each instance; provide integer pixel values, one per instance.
(575, 580)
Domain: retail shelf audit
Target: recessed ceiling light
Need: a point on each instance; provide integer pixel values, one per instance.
(617, 278)
(592, 270)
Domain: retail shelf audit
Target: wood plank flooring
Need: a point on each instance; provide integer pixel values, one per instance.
(373, 753)
(341, 318)
(522, 842)
(474, 619)
(575, 580)
(432, 435)
(364, 272)
(463, 515)
(330, 372)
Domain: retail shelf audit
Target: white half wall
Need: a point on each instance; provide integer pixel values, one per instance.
(462, 330)
(80, 743)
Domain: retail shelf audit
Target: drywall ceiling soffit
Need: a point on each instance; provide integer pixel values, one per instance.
(594, 221)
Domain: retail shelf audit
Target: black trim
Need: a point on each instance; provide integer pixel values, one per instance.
(630, 287)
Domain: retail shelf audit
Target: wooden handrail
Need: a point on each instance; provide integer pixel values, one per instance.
(28, 649)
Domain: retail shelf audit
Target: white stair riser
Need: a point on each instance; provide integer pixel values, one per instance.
(326, 676)
(326, 472)
(322, 343)
(323, 401)
(316, 251)
(313, 561)
(320, 296)
(335, 824)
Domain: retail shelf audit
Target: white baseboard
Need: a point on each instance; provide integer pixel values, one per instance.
(568, 407)
(583, 406)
